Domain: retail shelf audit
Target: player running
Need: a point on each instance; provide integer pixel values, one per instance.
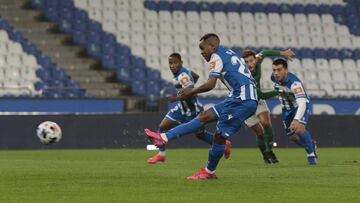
(185, 109)
(241, 103)
(260, 122)
(295, 107)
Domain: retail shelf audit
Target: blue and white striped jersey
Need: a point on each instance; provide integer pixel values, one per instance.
(289, 91)
(226, 65)
(184, 79)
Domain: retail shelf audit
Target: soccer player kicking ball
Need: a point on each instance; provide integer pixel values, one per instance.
(185, 109)
(260, 122)
(240, 104)
(295, 107)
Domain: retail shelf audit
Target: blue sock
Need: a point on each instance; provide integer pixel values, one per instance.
(307, 142)
(215, 154)
(208, 137)
(184, 129)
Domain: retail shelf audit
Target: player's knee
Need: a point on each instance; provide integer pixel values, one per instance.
(300, 131)
(200, 134)
(266, 123)
(293, 138)
(204, 117)
(218, 139)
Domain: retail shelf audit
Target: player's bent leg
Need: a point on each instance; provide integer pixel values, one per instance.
(265, 121)
(215, 154)
(305, 139)
(205, 136)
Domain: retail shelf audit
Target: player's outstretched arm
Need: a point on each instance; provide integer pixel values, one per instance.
(207, 86)
(269, 52)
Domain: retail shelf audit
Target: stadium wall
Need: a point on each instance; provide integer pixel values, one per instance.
(126, 131)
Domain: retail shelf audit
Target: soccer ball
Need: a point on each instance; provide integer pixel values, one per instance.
(49, 132)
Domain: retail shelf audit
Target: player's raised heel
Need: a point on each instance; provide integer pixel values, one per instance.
(156, 158)
(202, 175)
(312, 160)
(227, 149)
(155, 138)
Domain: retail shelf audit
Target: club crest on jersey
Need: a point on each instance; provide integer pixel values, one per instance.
(298, 90)
(212, 66)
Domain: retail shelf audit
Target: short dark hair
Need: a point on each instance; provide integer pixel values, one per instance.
(248, 52)
(210, 35)
(280, 61)
(176, 55)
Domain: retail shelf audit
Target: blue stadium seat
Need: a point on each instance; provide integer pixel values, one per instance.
(108, 62)
(333, 54)
(324, 9)
(66, 13)
(271, 8)
(138, 62)
(258, 7)
(311, 8)
(152, 5)
(94, 37)
(153, 87)
(94, 26)
(205, 6)
(80, 37)
(139, 87)
(217, 7)
(244, 7)
(65, 26)
(191, 6)
(177, 6)
(124, 75)
(52, 3)
(44, 61)
(163, 6)
(52, 14)
(122, 61)
(40, 85)
(346, 54)
(319, 53)
(94, 50)
(72, 84)
(337, 9)
(138, 73)
(108, 49)
(306, 53)
(80, 15)
(59, 74)
(357, 53)
(153, 74)
(231, 7)
(298, 8)
(67, 4)
(123, 50)
(285, 8)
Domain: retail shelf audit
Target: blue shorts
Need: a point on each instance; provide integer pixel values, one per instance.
(288, 117)
(177, 115)
(231, 113)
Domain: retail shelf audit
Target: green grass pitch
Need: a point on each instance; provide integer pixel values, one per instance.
(124, 176)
